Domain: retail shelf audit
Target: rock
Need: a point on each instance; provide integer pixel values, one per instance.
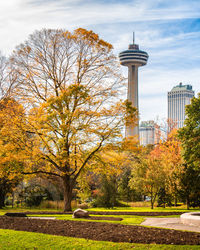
(80, 213)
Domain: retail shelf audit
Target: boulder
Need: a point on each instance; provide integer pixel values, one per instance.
(80, 213)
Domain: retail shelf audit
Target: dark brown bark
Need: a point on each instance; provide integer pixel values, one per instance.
(188, 202)
(152, 200)
(175, 201)
(152, 204)
(2, 198)
(5, 187)
(68, 188)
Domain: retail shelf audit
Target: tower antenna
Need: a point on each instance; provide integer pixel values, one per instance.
(133, 37)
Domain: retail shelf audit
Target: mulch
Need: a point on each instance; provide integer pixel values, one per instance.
(114, 213)
(101, 231)
(137, 213)
(104, 218)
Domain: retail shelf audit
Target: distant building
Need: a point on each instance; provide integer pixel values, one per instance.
(178, 97)
(150, 133)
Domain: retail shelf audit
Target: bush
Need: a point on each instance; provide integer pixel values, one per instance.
(33, 195)
(8, 202)
(125, 192)
(108, 193)
(34, 200)
(164, 198)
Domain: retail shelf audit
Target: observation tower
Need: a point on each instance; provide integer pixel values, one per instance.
(133, 58)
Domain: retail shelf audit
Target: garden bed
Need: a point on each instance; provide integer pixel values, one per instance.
(104, 218)
(113, 213)
(102, 231)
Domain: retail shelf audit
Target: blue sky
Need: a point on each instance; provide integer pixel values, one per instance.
(169, 31)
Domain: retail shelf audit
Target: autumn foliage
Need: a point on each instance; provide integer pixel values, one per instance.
(68, 89)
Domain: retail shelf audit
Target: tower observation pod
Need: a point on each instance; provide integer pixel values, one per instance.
(133, 58)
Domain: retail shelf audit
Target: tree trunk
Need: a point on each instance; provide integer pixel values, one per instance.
(152, 204)
(188, 202)
(2, 198)
(175, 197)
(152, 200)
(13, 199)
(68, 187)
(175, 201)
(164, 198)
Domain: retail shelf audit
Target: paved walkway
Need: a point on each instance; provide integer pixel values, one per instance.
(172, 223)
(42, 218)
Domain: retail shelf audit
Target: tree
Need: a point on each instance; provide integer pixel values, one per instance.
(147, 174)
(190, 186)
(109, 166)
(106, 172)
(164, 198)
(84, 191)
(126, 193)
(10, 162)
(172, 162)
(8, 179)
(108, 192)
(190, 133)
(70, 85)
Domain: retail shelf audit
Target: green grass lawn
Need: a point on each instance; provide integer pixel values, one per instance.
(127, 219)
(115, 209)
(10, 239)
(144, 209)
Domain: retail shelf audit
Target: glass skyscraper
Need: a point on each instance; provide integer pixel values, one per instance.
(178, 97)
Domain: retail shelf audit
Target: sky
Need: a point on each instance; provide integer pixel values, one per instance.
(169, 31)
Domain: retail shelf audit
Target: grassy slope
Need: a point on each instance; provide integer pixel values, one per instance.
(10, 239)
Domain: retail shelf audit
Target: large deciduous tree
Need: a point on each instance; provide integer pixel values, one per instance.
(70, 85)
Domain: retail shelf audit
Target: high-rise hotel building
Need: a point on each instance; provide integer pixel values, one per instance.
(178, 97)
(149, 133)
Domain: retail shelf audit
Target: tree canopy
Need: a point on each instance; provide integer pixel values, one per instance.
(11, 164)
(69, 85)
(190, 133)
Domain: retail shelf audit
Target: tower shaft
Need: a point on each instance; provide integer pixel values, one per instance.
(132, 96)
